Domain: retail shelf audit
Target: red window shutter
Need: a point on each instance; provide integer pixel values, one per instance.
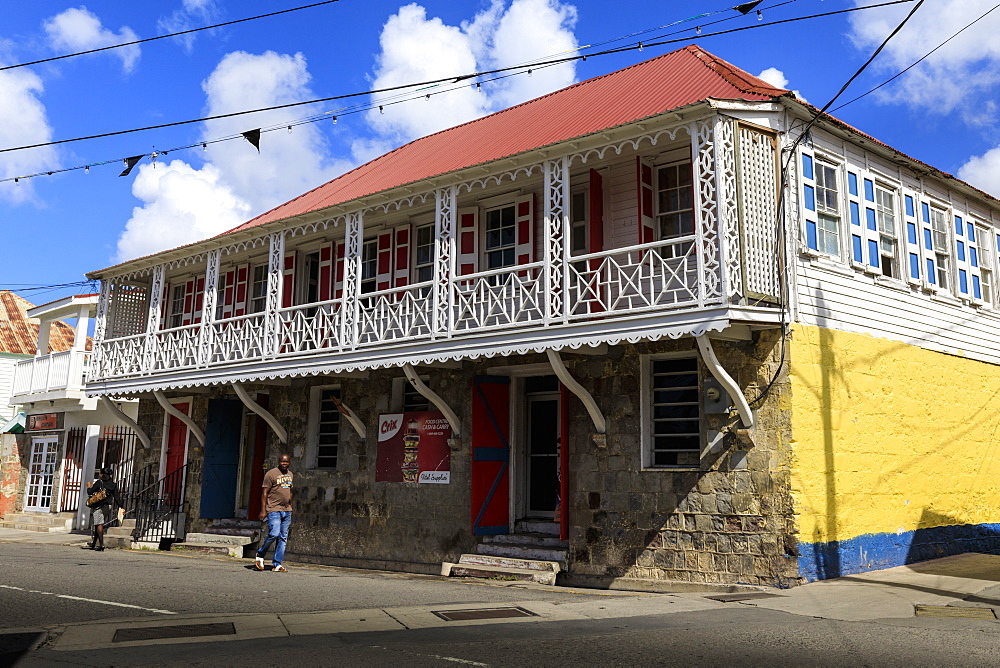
(338, 284)
(241, 290)
(644, 174)
(401, 255)
(199, 300)
(490, 490)
(468, 241)
(229, 294)
(288, 280)
(326, 271)
(596, 223)
(383, 276)
(188, 303)
(524, 225)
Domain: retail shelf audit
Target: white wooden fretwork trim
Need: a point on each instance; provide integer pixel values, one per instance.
(352, 278)
(434, 398)
(124, 419)
(724, 141)
(276, 260)
(445, 230)
(207, 331)
(633, 143)
(165, 404)
(706, 213)
(556, 234)
(600, 424)
(265, 414)
(153, 317)
(97, 367)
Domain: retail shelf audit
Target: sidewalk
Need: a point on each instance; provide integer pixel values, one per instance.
(963, 586)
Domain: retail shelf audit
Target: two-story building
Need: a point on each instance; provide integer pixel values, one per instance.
(642, 327)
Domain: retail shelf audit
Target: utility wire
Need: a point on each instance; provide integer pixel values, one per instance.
(173, 34)
(455, 79)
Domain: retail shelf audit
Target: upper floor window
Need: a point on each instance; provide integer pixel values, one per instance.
(986, 261)
(369, 266)
(220, 298)
(423, 258)
(501, 238)
(673, 412)
(176, 318)
(578, 242)
(674, 201)
(885, 218)
(939, 236)
(827, 204)
(258, 289)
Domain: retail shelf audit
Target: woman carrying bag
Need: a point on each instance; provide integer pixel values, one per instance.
(100, 505)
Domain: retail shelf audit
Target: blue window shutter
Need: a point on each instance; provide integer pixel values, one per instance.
(869, 190)
(925, 209)
(811, 235)
(914, 266)
(928, 243)
(961, 251)
(973, 256)
(852, 183)
(873, 256)
(931, 274)
(855, 214)
(807, 166)
(856, 248)
(810, 195)
(909, 206)
(911, 233)
(870, 215)
(972, 232)
(977, 289)
(963, 281)
(959, 227)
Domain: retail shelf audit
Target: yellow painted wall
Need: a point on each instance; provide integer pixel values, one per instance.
(889, 437)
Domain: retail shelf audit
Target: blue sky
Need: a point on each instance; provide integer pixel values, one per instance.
(943, 111)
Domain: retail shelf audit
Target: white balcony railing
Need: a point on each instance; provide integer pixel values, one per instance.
(62, 371)
(666, 276)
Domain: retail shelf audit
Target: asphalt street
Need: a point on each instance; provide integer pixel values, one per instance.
(62, 605)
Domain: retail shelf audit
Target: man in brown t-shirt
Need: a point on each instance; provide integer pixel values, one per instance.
(276, 508)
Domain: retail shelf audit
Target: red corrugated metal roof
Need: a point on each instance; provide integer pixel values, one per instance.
(652, 87)
(19, 333)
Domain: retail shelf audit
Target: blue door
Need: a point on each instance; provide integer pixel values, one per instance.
(222, 457)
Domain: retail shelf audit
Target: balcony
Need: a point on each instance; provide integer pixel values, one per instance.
(57, 373)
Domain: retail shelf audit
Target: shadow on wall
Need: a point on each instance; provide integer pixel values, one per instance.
(939, 536)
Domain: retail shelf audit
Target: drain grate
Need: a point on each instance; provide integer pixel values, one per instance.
(953, 611)
(482, 613)
(745, 596)
(179, 631)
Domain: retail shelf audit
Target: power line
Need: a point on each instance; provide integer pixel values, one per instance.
(173, 34)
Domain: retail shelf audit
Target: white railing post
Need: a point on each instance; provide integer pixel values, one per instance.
(724, 143)
(445, 213)
(352, 279)
(556, 237)
(100, 327)
(206, 335)
(276, 264)
(153, 319)
(706, 227)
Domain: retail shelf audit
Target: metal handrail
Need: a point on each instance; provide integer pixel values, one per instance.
(156, 503)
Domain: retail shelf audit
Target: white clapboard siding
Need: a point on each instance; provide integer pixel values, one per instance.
(6, 386)
(854, 302)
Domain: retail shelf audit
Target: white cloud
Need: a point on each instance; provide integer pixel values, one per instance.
(777, 78)
(983, 171)
(962, 75)
(23, 120)
(417, 48)
(192, 14)
(81, 30)
(181, 205)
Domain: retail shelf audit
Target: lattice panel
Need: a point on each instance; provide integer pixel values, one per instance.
(707, 223)
(728, 206)
(499, 299)
(118, 357)
(275, 265)
(127, 309)
(352, 276)
(400, 315)
(556, 185)
(310, 328)
(758, 197)
(444, 254)
(238, 339)
(177, 348)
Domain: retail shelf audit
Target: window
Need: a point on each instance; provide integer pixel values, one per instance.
(369, 266)
(986, 256)
(220, 296)
(939, 236)
(310, 278)
(500, 237)
(674, 412)
(423, 259)
(258, 289)
(674, 201)
(885, 219)
(326, 420)
(578, 242)
(176, 307)
(413, 401)
(827, 210)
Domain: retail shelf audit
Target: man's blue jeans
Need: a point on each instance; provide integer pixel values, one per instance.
(277, 530)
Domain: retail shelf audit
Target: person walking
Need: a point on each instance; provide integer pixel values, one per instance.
(276, 508)
(102, 513)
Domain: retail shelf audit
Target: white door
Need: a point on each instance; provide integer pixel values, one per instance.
(41, 471)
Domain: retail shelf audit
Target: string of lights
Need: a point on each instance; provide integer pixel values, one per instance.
(402, 94)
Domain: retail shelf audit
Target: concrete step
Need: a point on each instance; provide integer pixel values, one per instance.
(30, 526)
(528, 540)
(235, 523)
(529, 552)
(217, 539)
(224, 549)
(231, 531)
(509, 562)
(62, 521)
(498, 573)
(546, 527)
(117, 542)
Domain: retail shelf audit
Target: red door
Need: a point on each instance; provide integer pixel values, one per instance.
(175, 456)
(490, 491)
